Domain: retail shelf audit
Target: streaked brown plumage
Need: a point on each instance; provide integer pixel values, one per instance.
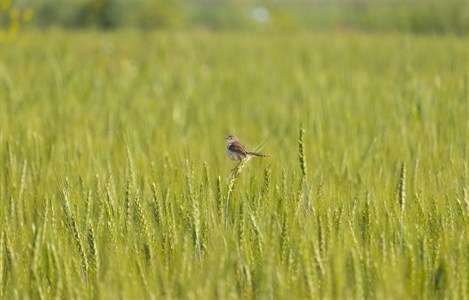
(236, 151)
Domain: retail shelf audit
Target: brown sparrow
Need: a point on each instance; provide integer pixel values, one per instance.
(236, 151)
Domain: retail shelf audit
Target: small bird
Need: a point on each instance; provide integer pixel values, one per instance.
(236, 151)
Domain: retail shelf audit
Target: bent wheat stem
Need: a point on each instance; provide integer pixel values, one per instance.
(231, 183)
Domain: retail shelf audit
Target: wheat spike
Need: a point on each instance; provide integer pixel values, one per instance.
(402, 193)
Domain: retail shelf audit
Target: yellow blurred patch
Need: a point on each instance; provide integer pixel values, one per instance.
(27, 15)
(14, 13)
(2, 35)
(6, 4)
(14, 27)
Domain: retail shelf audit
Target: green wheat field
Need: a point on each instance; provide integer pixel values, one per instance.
(115, 183)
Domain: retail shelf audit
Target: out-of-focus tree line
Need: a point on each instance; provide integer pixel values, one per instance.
(413, 16)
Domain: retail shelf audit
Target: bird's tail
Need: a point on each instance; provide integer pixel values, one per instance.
(259, 154)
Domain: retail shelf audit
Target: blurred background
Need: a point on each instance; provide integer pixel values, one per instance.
(436, 17)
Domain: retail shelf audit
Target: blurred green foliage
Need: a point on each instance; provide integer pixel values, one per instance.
(413, 16)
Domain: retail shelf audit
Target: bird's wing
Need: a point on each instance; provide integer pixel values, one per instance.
(238, 147)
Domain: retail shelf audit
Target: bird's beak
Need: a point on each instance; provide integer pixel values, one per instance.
(226, 137)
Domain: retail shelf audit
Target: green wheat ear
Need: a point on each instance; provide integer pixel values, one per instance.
(401, 188)
(302, 151)
(219, 202)
(304, 169)
(93, 253)
(402, 196)
(231, 183)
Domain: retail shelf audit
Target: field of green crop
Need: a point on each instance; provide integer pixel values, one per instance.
(114, 178)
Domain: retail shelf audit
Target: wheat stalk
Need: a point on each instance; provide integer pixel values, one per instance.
(402, 198)
(109, 203)
(93, 253)
(267, 180)
(304, 169)
(301, 150)
(74, 227)
(304, 255)
(193, 218)
(219, 202)
(128, 206)
(402, 192)
(258, 240)
(156, 207)
(231, 183)
(284, 240)
(144, 229)
(21, 191)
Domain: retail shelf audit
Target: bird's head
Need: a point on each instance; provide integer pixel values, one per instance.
(231, 139)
